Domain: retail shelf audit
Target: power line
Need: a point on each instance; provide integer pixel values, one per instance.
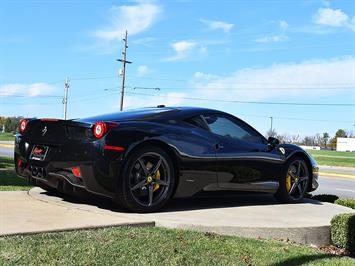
(28, 96)
(248, 102)
(339, 85)
(93, 78)
(236, 86)
(91, 97)
(297, 118)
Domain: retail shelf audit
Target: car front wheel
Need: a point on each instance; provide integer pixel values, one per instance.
(293, 186)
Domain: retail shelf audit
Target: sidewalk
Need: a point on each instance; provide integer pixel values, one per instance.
(22, 214)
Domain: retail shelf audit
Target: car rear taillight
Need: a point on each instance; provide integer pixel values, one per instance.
(76, 171)
(23, 125)
(101, 128)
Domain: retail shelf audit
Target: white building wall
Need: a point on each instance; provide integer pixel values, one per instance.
(345, 144)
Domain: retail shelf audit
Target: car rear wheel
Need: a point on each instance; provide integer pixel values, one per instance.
(147, 182)
(293, 186)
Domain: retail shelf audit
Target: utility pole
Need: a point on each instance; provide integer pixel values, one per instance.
(271, 120)
(65, 99)
(124, 62)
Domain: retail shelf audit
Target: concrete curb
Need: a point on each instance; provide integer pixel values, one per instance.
(134, 224)
(314, 236)
(309, 233)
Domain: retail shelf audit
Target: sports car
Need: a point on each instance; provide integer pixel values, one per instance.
(143, 158)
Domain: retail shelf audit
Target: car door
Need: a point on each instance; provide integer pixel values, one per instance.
(244, 160)
(197, 169)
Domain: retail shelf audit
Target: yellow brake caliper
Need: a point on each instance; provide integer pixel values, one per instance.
(288, 182)
(157, 176)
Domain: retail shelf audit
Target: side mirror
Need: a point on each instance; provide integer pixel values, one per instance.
(272, 143)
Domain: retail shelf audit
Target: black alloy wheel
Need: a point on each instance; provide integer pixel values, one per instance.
(293, 186)
(148, 180)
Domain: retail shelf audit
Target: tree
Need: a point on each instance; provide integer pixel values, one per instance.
(284, 138)
(341, 134)
(295, 139)
(325, 139)
(308, 140)
(271, 133)
(10, 123)
(318, 139)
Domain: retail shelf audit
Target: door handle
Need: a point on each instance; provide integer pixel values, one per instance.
(218, 146)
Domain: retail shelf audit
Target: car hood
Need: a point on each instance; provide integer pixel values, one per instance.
(291, 149)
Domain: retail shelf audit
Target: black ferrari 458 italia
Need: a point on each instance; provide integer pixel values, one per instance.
(145, 157)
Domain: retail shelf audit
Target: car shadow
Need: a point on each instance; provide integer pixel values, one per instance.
(205, 200)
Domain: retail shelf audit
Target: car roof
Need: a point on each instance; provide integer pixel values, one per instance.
(149, 113)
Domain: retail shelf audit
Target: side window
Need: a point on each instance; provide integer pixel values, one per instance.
(227, 127)
(197, 121)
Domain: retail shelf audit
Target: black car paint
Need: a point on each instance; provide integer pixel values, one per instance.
(202, 160)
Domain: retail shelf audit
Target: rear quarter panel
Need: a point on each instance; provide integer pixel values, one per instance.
(192, 149)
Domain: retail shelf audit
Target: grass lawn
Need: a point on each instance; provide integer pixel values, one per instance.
(333, 158)
(155, 246)
(8, 179)
(7, 136)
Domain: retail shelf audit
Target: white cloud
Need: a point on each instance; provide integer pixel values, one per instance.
(279, 80)
(334, 18)
(133, 18)
(183, 49)
(283, 24)
(29, 90)
(218, 25)
(143, 70)
(275, 38)
(183, 46)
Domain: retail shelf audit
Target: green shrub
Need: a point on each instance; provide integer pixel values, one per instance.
(343, 231)
(325, 198)
(346, 202)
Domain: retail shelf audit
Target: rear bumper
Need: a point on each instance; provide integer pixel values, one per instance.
(98, 167)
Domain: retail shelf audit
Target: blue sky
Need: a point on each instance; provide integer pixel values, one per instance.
(199, 53)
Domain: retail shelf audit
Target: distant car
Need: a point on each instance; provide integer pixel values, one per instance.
(145, 157)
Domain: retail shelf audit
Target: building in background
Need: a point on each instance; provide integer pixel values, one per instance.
(346, 144)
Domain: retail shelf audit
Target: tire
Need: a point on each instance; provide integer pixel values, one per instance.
(294, 183)
(147, 181)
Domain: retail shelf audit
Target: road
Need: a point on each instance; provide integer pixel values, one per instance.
(342, 187)
(6, 148)
(328, 184)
